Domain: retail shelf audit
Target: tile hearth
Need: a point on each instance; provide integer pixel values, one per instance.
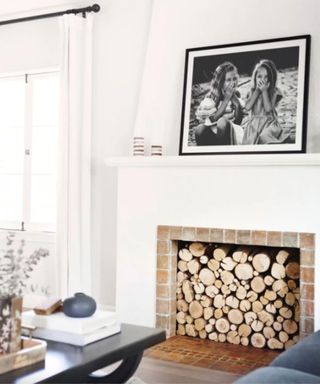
(207, 354)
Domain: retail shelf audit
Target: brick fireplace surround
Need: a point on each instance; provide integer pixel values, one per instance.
(167, 249)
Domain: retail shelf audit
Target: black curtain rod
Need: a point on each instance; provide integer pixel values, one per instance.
(92, 8)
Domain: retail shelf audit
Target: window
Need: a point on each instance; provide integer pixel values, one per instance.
(28, 151)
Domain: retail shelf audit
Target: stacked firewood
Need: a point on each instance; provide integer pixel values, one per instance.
(239, 294)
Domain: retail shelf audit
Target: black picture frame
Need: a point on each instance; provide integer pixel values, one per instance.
(278, 68)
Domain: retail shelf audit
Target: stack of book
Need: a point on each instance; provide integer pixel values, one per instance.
(71, 330)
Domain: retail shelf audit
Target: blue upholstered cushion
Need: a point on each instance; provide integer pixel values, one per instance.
(304, 356)
(278, 375)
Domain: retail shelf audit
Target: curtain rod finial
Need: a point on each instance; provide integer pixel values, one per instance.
(96, 8)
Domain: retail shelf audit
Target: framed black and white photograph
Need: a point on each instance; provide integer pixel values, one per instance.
(246, 98)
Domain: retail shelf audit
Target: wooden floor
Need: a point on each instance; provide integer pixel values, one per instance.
(154, 371)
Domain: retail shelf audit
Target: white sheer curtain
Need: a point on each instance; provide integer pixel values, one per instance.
(74, 169)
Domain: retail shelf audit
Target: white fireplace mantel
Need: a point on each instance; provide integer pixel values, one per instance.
(310, 159)
(277, 192)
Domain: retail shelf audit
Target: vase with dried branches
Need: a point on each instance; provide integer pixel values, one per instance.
(15, 269)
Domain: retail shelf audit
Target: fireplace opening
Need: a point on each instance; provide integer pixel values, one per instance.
(284, 303)
(240, 294)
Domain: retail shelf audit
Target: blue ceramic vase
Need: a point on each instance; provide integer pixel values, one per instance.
(80, 305)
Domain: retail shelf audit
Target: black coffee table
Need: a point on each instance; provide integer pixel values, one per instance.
(66, 363)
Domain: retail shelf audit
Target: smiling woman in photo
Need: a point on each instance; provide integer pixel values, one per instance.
(263, 126)
(220, 112)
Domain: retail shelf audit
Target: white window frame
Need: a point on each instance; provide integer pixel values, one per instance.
(26, 224)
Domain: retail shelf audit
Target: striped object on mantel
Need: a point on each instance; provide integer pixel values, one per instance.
(138, 146)
(156, 150)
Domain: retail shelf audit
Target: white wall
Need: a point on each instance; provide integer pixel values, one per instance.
(180, 24)
(121, 33)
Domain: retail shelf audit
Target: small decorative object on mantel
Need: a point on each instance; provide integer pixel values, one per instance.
(156, 150)
(80, 305)
(138, 146)
(15, 268)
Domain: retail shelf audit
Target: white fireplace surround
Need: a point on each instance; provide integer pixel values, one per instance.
(255, 192)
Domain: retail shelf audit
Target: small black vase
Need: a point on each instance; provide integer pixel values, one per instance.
(80, 305)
